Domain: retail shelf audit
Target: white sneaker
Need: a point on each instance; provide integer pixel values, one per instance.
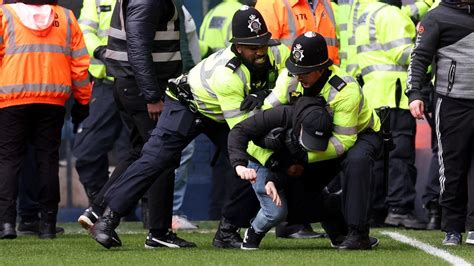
(470, 238)
(182, 222)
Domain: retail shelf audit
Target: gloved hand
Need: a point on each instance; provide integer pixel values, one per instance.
(99, 53)
(79, 112)
(254, 100)
(294, 148)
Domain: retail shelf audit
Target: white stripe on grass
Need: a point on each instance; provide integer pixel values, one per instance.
(454, 260)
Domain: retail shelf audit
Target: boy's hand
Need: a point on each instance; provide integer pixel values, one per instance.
(246, 173)
(273, 193)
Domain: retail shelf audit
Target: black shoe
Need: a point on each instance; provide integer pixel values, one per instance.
(357, 240)
(297, 231)
(252, 239)
(227, 235)
(434, 215)
(88, 218)
(47, 224)
(103, 230)
(32, 229)
(7, 231)
(335, 243)
(28, 228)
(47, 230)
(170, 240)
(405, 219)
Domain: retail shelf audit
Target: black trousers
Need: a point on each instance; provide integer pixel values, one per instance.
(402, 171)
(175, 129)
(39, 124)
(354, 169)
(455, 132)
(133, 110)
(101, 131)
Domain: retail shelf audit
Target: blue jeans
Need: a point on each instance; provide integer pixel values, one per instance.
(181, 178)
(269, 214)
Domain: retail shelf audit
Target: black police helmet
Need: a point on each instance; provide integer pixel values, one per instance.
(309, 52)
(249, 28)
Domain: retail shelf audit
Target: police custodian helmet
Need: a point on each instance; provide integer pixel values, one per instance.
(249, 28)
(309, 52)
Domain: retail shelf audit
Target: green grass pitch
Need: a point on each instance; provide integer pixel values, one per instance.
(75, 247)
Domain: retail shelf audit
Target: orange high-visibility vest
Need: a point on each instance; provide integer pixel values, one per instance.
(42, 66)
(287, 19)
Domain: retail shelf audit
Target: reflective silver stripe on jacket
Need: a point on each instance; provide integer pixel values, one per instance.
(157, 57)
(35, 87)
(337, 145)
(374, 46)
(345, 130)
(276, 54)
(81, 83)
(88, 22)
(352, 39)
(13, 48)
(372, 68)
(291, 24)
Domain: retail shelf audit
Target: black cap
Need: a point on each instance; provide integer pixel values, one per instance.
(309, 52)
(315, 122)
(249, 28)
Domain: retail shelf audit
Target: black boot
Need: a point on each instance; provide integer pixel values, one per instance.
(252, 239)
(357, 239)
(227, 235)
(434, 215)
(7, 231)
(47, 225)
(103, 230)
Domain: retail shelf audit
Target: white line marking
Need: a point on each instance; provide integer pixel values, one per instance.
(454, 260)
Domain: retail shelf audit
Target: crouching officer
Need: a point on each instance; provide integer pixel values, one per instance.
(355, 138)
(289, 190)
(219, 92)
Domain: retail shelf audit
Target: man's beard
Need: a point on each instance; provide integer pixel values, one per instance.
(256, 67)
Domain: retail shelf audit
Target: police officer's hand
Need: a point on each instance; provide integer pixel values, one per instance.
(272, 192)
(99, 53)
(417, 109)
(246, 173)
(254, 100)
(79, 112)
(154, 110)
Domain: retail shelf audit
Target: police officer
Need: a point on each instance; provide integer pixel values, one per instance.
(219, 92)
(354, 137)
(288, 190)
(454, 111)
(215, 31)
(383, 57)
(140, 81)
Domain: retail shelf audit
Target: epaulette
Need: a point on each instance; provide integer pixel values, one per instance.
(337, 82)
(234, 63)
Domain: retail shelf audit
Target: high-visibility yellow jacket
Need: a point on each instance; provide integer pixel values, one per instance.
(347, 14)
(218, 90)
(216, 31)
(383, 54)
(95, 22)
(287, 19)
(416, 9)
(350, 110)
(42, 65)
